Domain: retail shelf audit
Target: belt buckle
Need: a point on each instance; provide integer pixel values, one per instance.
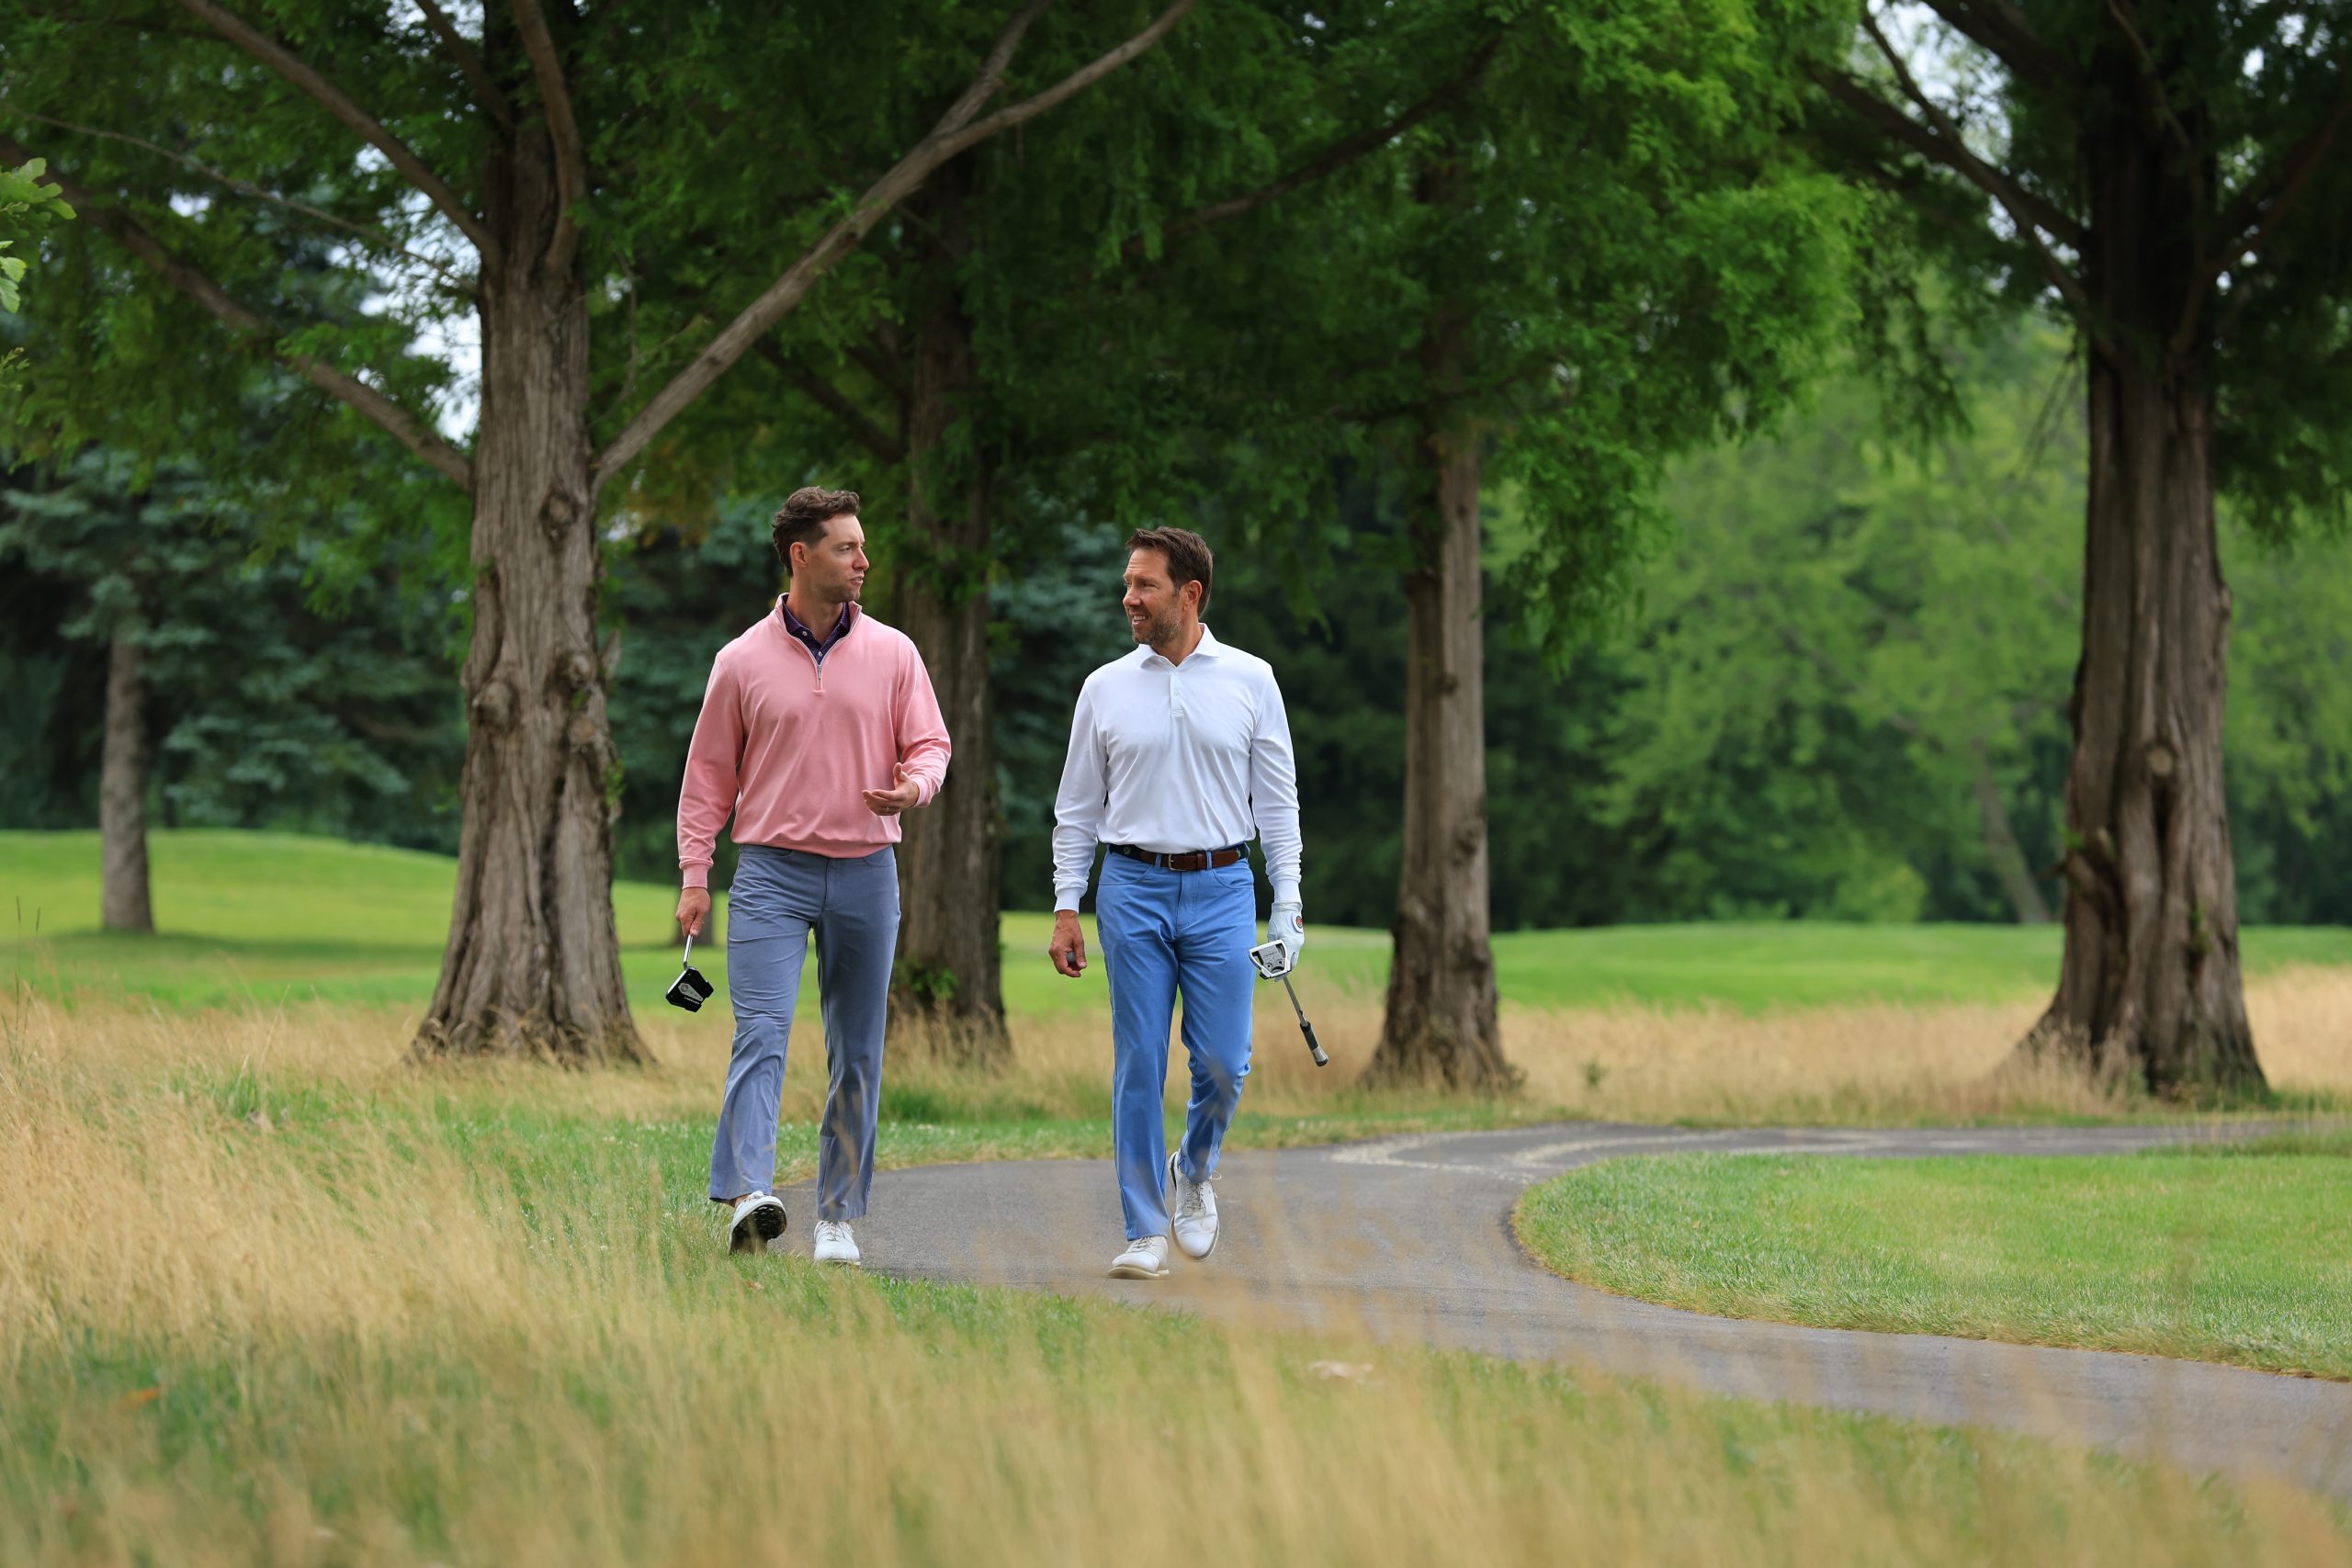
(1191, 860)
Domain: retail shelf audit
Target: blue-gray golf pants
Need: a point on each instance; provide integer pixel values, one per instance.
(778, 899)
(1164, 933)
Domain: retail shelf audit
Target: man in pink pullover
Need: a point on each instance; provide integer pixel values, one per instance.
(819, 729)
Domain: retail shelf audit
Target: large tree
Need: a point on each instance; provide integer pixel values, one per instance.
(2171, 177)
(971, 392)
(1593, 256)
(525, 178)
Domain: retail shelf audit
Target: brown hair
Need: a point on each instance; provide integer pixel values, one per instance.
(804, 516)
(1189, 559)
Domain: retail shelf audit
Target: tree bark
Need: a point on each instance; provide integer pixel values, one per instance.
(948, 981)
(1441, 1024)
(124, 903)
(2001, 842)
(2151, 983)
(532, 964)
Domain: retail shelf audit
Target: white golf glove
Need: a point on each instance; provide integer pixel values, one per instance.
(1288, 926)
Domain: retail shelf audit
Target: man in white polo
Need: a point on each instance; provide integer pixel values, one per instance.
(1180, 753)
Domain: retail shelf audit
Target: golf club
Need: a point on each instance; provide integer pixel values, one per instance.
(1272, 960)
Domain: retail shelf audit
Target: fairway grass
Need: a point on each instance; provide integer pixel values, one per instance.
(265, 1302)
(319, 957)
(2241, 1256)
(266, 917)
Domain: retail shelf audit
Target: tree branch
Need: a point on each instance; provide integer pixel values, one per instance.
(126, 231)
(468, 63)
(2023, 206)
(283, 60)
(829, 397)
(571, 157)
(246, 187)
(1069, 87)
(1338, 156)
(2000, 27)
(954, 134)
(2029, 212)
(2286, 179)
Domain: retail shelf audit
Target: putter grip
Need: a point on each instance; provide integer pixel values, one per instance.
(1313, 1045)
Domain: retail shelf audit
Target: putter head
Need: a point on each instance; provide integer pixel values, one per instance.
(689, 990)
(1272, 960)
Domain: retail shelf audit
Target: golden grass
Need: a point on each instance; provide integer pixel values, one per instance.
(1881, 1062)
(338, 1343)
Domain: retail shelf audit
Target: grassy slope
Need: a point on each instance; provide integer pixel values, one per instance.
(254, 915)
(2242, 1256)
(363, 1335)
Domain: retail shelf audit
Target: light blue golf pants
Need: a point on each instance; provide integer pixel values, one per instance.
(779, 896)
(1166, 933)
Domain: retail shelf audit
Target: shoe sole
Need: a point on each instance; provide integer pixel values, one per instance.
(1136, 1271)
(758, 1228)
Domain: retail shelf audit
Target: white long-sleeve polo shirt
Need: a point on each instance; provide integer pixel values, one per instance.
(1177, 757)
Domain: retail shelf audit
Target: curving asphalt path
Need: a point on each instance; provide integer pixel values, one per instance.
(1409, 1239)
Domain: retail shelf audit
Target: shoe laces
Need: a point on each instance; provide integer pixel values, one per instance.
(1195, 1202)
(833, 1230)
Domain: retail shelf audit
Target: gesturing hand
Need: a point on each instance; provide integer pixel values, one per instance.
(906, 797)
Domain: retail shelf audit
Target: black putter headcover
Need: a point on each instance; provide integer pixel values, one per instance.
(689, 990)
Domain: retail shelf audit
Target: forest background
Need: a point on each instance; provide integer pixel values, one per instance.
(1838, 692)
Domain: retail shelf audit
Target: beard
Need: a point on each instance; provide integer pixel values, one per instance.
(1159, 628)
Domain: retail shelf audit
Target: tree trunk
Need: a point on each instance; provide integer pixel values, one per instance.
(2150, 983)
(948, 981)
(124, 904)
(533, 964)
(2001, 843)
(1442, 1025)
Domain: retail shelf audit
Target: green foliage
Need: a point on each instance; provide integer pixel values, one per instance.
(1845, 633)
(285, 686)
(2253, 97)
(26, 210)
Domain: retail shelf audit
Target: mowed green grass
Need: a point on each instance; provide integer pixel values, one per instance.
(2239, 1255)
(264, 915)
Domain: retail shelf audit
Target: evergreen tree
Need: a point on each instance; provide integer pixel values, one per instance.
(2167, 175)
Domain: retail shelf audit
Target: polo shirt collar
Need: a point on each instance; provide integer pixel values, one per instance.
(1208, 648)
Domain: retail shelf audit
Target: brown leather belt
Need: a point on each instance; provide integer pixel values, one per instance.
(1189, 860)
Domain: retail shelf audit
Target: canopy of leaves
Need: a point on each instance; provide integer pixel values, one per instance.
(1980, 118)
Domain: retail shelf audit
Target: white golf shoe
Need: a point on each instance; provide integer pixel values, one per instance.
(1145, 1258)
(758, 1220)
(834, 1243)
(1195, 1208)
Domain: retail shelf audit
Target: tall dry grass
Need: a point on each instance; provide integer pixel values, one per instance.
(335, 1342)
(1881, 1062)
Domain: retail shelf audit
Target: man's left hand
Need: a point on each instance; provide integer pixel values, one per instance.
(1287, 925)
(906, 797)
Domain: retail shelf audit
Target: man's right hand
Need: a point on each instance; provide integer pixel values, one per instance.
(1067, 950)
(694, 907)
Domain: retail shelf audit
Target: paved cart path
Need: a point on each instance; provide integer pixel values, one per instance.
(1409, 1238)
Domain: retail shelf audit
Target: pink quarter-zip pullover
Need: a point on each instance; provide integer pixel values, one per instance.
(786, 742)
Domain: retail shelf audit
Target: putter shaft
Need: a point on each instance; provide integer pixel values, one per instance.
(1313, 1045)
